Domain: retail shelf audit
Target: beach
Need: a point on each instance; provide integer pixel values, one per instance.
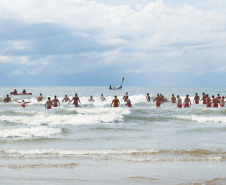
(99, 144)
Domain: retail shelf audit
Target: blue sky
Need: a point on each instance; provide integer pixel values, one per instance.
(84, 42)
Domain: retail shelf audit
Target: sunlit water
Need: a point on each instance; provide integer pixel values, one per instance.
(98, 144)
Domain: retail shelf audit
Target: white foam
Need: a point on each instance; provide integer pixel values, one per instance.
(29, 132)
(203, 119)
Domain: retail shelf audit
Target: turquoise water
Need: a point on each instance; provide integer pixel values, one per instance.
(98, 144)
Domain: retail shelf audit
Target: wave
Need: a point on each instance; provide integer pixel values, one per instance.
(204, 119)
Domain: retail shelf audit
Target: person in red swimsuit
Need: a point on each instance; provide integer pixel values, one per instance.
(218, 97)
(196, 98)
(55, 102)
(204, 96)
(22, 103)
(208, 101)
(48, 104)
(222, 102)
(158, 100)
(173, 99)
(125, 97)
(179, 102)
(24, 91)
(187, 101)
(215, 102)
(115, 102)
(129, 104)
(76, 100)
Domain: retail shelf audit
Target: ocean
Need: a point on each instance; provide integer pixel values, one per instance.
(98, 144)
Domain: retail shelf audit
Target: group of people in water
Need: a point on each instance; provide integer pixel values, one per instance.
(159, 99)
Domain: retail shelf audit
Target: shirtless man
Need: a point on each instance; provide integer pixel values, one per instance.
(55, 102)
(163, 99)
(91, 99)
(215, 102)
(39, 98)
(76, 100)
(102, 98)
(173, 99)
(158, 100)
(115, 102)
(196, 98)
(179, 102)
(48, 104)
(125, 97)
(129, 104)
(204, 96)
(208, 101)
(222, 102)
(187, 101)
(7, 99)
(218, 96)
(22, 104)
(148, 97)
(66, 99)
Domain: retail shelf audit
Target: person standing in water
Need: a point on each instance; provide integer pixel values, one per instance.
(179, 102)
(22, 103)
(7, 99)
(158, 100)
(91, 99)
(215, 102)
(148, 98)
(222, 102)
(173, 99)
(196, 98)
(102, 98)
(66, 99)
(208, 101)
(55, 102)
(48, 104)
(218, 96)
(76, 100)
(187, 101)
(39, 98)
(128, 103)
(125, 97)
(115, 102)
(204, 96)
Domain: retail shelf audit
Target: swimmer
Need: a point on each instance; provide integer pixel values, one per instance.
(158, 100)
(22, 103)
(76, 100)
(125, 97)
(48, 104)
(102, 98)
(128, 103)
(66, 99)
(39, 98)
(208, 101)
(204, 96)
(173, 99)
(196, 99)
(215, 102)
(91, 99)
(179, 102)
(7, 99)
(187, 101)
(222, 102)
(55, 101)
(148, 98)
(115, 102)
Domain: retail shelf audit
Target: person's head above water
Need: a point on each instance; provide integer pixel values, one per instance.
(48, 98)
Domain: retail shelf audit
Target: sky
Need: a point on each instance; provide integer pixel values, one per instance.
(97, 42)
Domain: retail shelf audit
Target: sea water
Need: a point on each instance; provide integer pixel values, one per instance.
(98, 144)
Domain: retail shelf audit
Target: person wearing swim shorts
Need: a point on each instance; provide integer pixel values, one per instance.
(39, 98)
(204, 96)
(91, 99)
(7, 99)
(215, 102)
(179, 102)
(158, 100)
(125, 97)
(128, 103)
(208, 101)
(196, 98)
(115, 102)
(22, 103)
(218, 97)
(55, 101)
(187, 102)
(163, 99)
(66, 99)
(173, 99)
(76, 100)
(102, 98)
(48, 104)
(222, 102)
(148, 98)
